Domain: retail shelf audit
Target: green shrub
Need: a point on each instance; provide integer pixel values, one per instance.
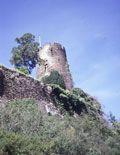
(14, 144)
(24, 131)
(66, 101)
(54, 78)
(21, 116)
(24, 70)
(79, 92)
(93, 106)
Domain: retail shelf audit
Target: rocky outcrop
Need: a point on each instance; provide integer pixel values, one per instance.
(1, 83)
(52, 100)
(14, 85)
(17, 85)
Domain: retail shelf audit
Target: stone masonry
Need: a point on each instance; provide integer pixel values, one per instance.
(15, 85)
(53, 57)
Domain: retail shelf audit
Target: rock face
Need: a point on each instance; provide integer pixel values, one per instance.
(16, 85)
(1, 83)
(53, 57)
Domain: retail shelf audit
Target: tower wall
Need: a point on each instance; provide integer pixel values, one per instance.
(53, 57)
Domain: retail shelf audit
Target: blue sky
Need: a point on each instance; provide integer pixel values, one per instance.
(88, 29)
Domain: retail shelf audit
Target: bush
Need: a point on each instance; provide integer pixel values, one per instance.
(21, 116)
(14, 144)
(24, 70)
(79, 92)
(54, 78)
(66, 101)
(92, 104)
(23, 131)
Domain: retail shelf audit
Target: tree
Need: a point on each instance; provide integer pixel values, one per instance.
(26, 53)
(115, 123)
(54, 78)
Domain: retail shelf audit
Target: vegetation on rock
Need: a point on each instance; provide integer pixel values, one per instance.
(24, 70)
(66, 101)
(54, 78)
(25, 130)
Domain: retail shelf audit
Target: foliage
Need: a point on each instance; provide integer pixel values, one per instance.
(24, 70)
(75, 101)
(26, 53)
(79, 92)
(54, 78)
(115, 124)
(14, 144)
(25, 130)
(93, 106)
(21, 116)
(41, 61)
(66, 101)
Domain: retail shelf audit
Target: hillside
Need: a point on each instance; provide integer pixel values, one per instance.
(36, 119)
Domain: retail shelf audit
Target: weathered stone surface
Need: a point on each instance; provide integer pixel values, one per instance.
(53, 57)
(17, 85)
(1, 83)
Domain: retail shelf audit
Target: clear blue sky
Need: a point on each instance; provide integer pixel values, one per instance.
(89, 30)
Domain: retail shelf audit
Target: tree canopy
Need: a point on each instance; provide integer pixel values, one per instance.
(26, 53)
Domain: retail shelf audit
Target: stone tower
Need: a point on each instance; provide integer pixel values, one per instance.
(53, 57)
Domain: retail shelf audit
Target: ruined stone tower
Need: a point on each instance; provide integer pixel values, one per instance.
(53, 57)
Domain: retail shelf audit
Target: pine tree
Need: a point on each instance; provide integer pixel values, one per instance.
(26, 53)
